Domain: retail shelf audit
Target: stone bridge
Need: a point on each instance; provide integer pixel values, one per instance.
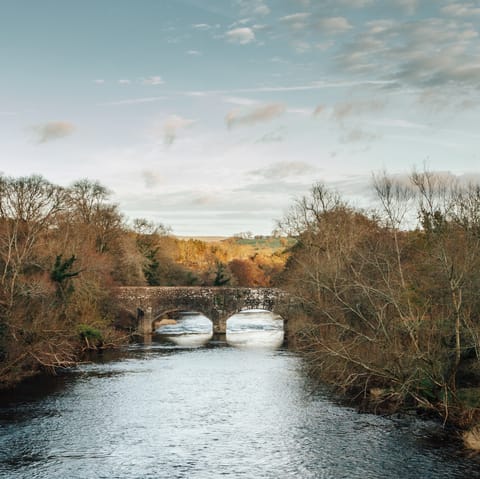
(149, 304)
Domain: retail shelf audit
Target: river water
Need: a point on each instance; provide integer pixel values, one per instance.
(162, 411)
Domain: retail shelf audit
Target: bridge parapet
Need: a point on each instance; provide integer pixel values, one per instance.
(217, 303)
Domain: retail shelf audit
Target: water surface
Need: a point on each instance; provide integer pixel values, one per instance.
(166, 412)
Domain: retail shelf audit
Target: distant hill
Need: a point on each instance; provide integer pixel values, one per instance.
(249, 246)
(206, 239)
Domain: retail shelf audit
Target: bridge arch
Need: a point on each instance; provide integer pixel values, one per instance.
(257, 328)
(175, 314)
(216, 303)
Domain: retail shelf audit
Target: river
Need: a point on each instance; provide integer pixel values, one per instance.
(162, 411)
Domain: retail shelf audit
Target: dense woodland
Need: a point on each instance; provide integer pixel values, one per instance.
(389, 300)
(63, 249)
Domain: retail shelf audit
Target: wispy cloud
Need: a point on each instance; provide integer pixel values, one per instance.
(135, 101)
(276, 136)
(334, 25)
(53, 131)
(358, 135)
(260, 114)
(320, 85)
(253, 7)
(424, 53)
(284, 169)
(353, 108)
(201, 26)
(398, 123)
(410, 6)
(317, 85)
(241, 35)
(171, 126)
(152, 178)
(193, 52)
(299, 111)
(124, 81)
(461, 10)
(296, 21)
(99, 81)
(318, 110)
(235, 100)
(356, 3)
(153, 80)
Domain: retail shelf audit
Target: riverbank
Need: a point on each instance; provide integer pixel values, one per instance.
(459, 413)
(75, 350)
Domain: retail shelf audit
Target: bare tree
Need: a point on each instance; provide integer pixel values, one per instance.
(28, 207)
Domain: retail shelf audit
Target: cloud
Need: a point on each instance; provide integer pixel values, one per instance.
(124, 81)
(300, 111)
(334, 25)
(274, 192)
(275, 136)
(53, 131)
(353, 108)
(253, 7)
(151, 178)
(194, 52)
(380, 26)
(303, 22)
(398, 123)
(260, 27)
(201, 26)
(260, 114)
(409, 5)
(358, 135)
(241, 35)
(135, 101)
(423, 53)
(235, 100)
(296, 21)
(461, 10)
(356, 3)
(99, 81)
(318, 110)
(316, 85)
(284, 169)
(301, 46)
(324, 46)
(172, 124)
(154, 80)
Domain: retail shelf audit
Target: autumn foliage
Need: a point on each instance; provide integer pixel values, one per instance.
(63, 249)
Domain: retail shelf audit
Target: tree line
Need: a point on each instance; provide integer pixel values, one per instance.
(389, 299)
(62, 249)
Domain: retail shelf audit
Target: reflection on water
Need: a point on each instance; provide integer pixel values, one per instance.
(255, 329)
(190, 330)
(208, 413)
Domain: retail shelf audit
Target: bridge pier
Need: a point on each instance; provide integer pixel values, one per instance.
(145, 320)
(216, 303)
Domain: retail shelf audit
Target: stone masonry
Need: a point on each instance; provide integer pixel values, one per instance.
(150, 303)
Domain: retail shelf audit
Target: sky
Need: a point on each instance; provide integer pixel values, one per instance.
(212, 116)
